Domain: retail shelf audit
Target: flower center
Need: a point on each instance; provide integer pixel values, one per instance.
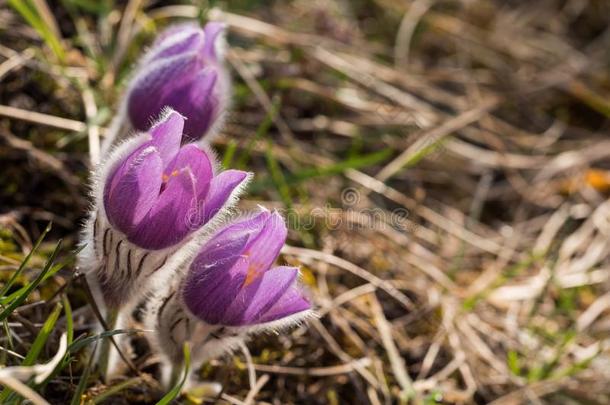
(165, 177)
(254, 272)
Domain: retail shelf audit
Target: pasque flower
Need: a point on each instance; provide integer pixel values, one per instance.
(152, 196)
(230, 289)
(184, 70)
(162, 192)
(231, 282)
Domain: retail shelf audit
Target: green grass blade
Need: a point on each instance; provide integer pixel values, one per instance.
(171, 395)
(512, 271)
(328, 170)
(29, 14)
(82, 384)
(261, 132)
(340, 167)
(30, 287)
(6, 300)
(69, 319)
(25, 261)
(115, 389)
(277, 176)
(512, 360)
(37, 346)
(227, 158)
(9, 339)
(42, 337)
(424, 151)
(91, 6)
(80, 343)
(69, 330)
(69, 338)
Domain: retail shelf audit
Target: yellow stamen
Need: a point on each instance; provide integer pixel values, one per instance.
(165, 177)
(252, 274)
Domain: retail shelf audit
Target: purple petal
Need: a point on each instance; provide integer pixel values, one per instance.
(263, 250)
(172, 30)
(220, 190)
(123, 167)
(167, 135)
(198, 100)
(151, 86)
(198, 161)
(214, 251)
(211, 287)
(259, 295)
(181, 71)
(169, 221)
(232, 239)
(189, 39)
(292, 302)
(133, 189)
(212, 32)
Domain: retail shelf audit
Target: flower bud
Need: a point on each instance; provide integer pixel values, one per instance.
(152, 196)
(231, 282)
(229, 290)
(183, 70)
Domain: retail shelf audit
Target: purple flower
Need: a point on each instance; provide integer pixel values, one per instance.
(183, 70)
(162, 192)
(231, 282)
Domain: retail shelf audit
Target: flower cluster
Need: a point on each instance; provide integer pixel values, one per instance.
(159, 201)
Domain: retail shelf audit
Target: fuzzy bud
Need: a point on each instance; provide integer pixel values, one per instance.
(228, 291)
(183, 70)
(151, 197)
(231, 281)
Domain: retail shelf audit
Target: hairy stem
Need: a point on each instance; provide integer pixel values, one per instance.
(103, 362)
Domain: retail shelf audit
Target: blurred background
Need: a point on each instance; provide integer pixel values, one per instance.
(444, 167)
